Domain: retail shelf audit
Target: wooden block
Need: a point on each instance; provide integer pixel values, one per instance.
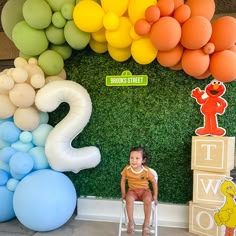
(206, 187)
(201, 220)
(8, 49)
(214, 154)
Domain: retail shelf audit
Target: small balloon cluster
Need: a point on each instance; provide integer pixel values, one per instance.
(178, 34)
(18, 88)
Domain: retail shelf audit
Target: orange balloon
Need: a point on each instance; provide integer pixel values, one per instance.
(178, 3)
(204, 75)
(223, 33)
(223, 66)
(171, 57)
(205, 8)
(177, 66)
(196, 32)
(182, 13)
(166, 7)
(165, 33)
(142, 27)
(152, 14)
(233, 49)
(195, 62)
(209, 48)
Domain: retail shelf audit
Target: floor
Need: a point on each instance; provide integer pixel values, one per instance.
(80, 228)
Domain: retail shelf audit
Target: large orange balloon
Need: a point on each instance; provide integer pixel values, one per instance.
(152, 14)
(205, 8)
(195, 62)
(223, 33)
(171, 57)
(165, 33)
(223, 66)
(196, 32)
(142, 27)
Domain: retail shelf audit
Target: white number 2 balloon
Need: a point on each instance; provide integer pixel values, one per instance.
(59, 151)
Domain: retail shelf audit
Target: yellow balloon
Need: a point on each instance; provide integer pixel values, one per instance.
(97, 46)
(118, 7)
(143, 52)
(88, 16)
(137, 8)
(134, 35)
(99, 35)
(119, 54)
(120, 38)
(111, 21)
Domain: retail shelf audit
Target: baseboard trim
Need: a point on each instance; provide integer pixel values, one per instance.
(99, 209)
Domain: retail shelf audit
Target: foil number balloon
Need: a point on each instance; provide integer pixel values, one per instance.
(61, 155)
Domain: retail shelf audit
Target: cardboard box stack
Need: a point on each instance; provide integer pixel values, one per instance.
(212, 160)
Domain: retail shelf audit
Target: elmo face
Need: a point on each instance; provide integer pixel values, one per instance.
(215, 89)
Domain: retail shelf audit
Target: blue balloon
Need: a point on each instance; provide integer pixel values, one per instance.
(9, 132)
(39, 158)
(12, 184)
(6, 204)
(6, 153)
(44, 200)
(20, 164)
(4, 176)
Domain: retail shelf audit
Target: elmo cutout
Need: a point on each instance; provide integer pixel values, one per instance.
(211, 104)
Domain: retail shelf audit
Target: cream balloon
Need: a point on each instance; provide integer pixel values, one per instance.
(61, 155)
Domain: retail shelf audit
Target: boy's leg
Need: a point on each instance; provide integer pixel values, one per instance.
(147, 204)
(130, 198)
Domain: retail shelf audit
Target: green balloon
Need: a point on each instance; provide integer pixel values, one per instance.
(64, 50)
(37, 13)
(67, 11)
(28, 40)
(11, 15)
(76, 38)
(56, 5)
(51, 62)
(58, 20)
(55, 35)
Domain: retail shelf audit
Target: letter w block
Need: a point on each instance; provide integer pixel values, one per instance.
(214, 154)
(206, 187)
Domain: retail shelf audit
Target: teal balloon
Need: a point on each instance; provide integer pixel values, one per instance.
(37, 13)
(11, 15)
(64, 50)
(51, 62)
(75, 37)
(28, 40)
(55, 35)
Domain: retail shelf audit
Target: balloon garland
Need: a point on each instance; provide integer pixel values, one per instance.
(181, 32)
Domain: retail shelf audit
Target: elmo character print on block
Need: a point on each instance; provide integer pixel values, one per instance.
(211, 104)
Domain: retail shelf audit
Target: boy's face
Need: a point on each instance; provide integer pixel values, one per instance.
(136, 159)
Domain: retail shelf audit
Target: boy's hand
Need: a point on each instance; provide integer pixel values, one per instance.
(155, 201)
(123, 196)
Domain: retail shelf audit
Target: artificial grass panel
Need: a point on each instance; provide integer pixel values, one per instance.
(162, 117)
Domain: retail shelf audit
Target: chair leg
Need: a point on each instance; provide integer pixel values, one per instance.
(121, 218)
(156, 220)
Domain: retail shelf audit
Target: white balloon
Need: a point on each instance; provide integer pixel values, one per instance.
(61, 155)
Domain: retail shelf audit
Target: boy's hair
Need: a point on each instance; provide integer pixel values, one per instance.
(139, 149)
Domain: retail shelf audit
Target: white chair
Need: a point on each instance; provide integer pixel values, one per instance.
(154, 215)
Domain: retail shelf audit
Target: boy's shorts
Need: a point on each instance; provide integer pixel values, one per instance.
(139, 194)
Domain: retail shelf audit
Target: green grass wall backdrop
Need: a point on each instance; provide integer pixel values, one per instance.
(162, 117)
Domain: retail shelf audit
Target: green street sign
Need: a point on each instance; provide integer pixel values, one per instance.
(126, 79)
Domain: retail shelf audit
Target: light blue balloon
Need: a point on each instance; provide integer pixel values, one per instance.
(39, 158)
(44, 200)
(6, 204)
(12, 184)
(20, 164)
(40, 134)
(3, 144)
(4, 166)
(7, 119)
(9, 132)
(43, 117)
(22, 147)
(6, 153)
(4, 176)
(26, 137)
